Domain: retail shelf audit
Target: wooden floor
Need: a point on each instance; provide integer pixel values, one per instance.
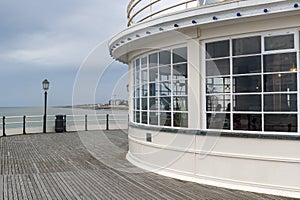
(89, 165)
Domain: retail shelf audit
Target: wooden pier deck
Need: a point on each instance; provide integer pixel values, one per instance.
(90, 165)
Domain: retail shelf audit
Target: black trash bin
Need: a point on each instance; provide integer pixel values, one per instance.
(60, 123)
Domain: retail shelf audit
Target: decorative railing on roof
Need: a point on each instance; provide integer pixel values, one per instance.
(141, 10)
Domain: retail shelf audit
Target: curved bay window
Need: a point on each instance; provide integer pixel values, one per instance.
(252, 83)
(160, 84)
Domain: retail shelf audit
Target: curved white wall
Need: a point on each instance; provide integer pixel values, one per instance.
(253, 164)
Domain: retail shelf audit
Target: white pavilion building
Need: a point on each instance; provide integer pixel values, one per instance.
(214, 91)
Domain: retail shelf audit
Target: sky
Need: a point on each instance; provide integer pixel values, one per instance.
(64, 41)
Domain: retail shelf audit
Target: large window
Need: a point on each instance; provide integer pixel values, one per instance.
(160, 85)
(251, 83)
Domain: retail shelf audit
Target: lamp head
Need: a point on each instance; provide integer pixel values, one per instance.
(45, 84)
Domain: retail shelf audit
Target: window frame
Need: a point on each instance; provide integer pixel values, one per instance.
(296, 49)
(159, 112)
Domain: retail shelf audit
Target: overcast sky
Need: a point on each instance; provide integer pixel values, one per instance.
(59, 40)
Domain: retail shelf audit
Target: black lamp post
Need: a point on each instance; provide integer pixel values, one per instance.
(45, 87)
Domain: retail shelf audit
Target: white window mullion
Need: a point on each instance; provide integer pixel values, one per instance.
(231, 82)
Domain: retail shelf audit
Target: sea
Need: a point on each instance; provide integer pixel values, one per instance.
(33, 111)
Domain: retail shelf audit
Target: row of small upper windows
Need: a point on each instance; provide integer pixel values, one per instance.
(249, 45)
(165, 57)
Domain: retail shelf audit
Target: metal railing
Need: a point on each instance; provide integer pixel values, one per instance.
(11, 125)
(141, 10)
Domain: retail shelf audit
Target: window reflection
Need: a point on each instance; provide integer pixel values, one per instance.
(153, 61)
(160, 96)
(217, 49)
(279, 42)
(280, 82)
(180, 71)
(153, 118)
(165, 119)
(218, 103)
(218, 85)
(217, 67)
(247, 84)
(165, 73)
(251, 122)
(164, 57)
(180, 103)
(247, 65)
(218, 120)
(281, 122)
(280, 102)
(249, 45)
(247, 102)
(180, 87)
(180, 55)
(165, 88)
(279, 62)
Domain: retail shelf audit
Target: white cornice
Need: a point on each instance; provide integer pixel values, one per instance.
(215, 15)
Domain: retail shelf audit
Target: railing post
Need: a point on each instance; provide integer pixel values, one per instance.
(107, 121)
(86, 128)
(3, 126)
(24, 125)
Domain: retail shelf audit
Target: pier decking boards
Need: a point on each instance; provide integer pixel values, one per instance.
(89, 165)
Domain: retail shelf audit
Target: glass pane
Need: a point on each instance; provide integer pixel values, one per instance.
(180, 71)
(247, 84)
(137, 103)
(218, 85)
(153, 118)
(247, 65)
(165, 73)
(137, 92)
(165, 103)
(144, 62)
(247, 102)
(180, 103)
(217, 49)
(180, 87)
(153, 103)
(218, 121)
(218, 103)
(144, 90)
(180, 119)
(279, 42)
(144, 118)
(280, 82)
(280, 62)
(165, 88)
(280, 102)
(153, 62)
(248, 122)
(217, 67)
(144, 76)
(281, 122)
(144, 103)
(180, 55)
(250, 45)
(165, 119)
(164, 58)
(153, 89)
(153, 74)
(137, 116)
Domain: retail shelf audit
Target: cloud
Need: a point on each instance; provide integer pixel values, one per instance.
(55, 33)
(51, 39)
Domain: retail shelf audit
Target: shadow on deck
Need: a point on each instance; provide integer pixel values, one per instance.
(89, 165)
